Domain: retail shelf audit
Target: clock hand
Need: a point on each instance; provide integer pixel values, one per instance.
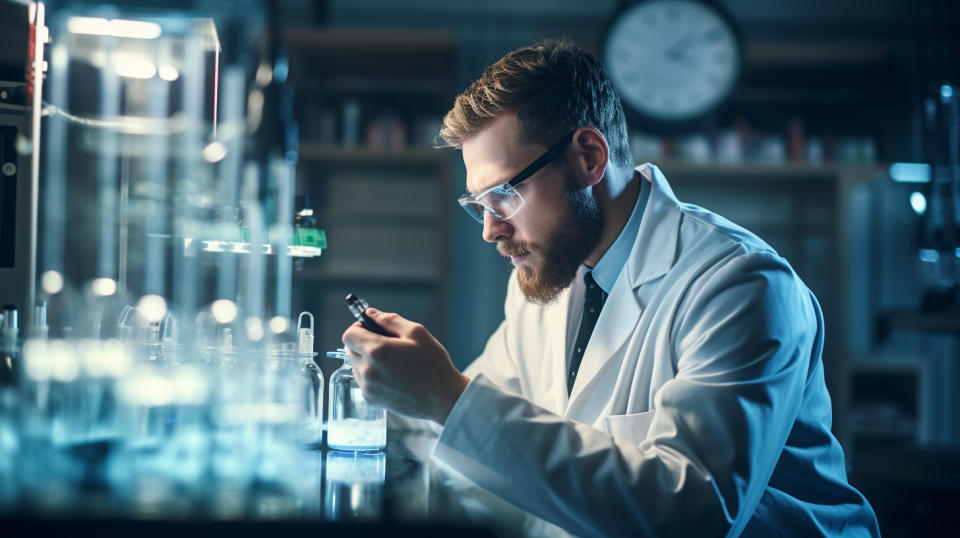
(677, 52)
(678, 57)
(677, 47)
(711, 35)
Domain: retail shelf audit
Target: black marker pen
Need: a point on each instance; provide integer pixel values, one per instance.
(358, 307)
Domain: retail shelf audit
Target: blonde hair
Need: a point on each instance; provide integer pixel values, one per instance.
(553, 87)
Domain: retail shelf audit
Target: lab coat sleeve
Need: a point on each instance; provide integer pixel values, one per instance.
(496, 362)
(742, 343)
(405, 423)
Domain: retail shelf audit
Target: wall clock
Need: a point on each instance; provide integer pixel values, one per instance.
(673, 62)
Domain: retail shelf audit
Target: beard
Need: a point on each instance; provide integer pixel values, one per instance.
(568, 246)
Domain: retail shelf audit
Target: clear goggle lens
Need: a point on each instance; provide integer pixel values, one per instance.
(503, 201)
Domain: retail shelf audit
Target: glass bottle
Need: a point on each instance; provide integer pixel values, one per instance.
(312, 430)
(313, 418)
(354, 423)
(296, 382)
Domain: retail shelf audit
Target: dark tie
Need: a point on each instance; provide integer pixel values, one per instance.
(593, 300)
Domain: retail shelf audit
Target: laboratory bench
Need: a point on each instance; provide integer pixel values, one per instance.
(352, 494)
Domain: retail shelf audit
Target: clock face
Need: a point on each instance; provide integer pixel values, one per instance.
(672, 60)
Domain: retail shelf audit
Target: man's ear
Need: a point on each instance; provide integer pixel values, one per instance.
(590, 156)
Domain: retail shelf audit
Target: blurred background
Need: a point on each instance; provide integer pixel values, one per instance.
(833, 136)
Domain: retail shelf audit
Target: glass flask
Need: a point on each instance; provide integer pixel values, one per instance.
(354, 423)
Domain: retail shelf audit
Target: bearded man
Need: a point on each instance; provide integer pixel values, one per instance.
(658, 370)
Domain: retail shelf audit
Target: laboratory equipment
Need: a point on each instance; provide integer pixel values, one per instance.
(20, 108)
(8, 345)
(305, 334)
(354, 485)
(313, 413)
(39, 328)
(159, 377)
(358, 307)
(10, 321)
(313, 418)
(307, 237)
(353, 423)
(8, 434)
(938, 262)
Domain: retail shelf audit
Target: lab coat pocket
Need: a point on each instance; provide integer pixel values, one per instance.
(630, 428)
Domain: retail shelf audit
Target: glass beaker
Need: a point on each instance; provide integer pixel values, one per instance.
(354, 423)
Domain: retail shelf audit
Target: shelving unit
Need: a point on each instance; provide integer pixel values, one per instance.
(924, 370)
(826, 82)
(366, 101)
(917, 322)
(912, 489)
(887, 405)
(343, 155)
(768, 172)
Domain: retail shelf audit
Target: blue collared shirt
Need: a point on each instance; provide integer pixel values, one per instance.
(611, 263)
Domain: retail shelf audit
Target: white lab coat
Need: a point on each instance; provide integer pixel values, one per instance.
(700, 407)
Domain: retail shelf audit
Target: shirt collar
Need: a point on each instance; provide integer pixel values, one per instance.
(611, 263)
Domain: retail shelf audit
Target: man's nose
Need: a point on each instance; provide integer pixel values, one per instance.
(494, 228)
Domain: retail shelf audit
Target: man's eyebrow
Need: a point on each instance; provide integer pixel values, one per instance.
(498, 183)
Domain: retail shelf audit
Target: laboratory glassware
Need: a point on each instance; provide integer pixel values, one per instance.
(354, 485)
(354, 423)
(313, 415)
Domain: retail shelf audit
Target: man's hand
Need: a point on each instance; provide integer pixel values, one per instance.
(410, 373)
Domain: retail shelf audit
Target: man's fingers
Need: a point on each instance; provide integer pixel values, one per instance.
(354, 357)
(356, 336)
(393, 323)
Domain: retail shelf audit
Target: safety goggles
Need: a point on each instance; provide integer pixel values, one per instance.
(503, 200)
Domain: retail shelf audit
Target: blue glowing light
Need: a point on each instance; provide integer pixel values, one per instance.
(929, 255)
(910, 172)
(918, 202)
(281, 68)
